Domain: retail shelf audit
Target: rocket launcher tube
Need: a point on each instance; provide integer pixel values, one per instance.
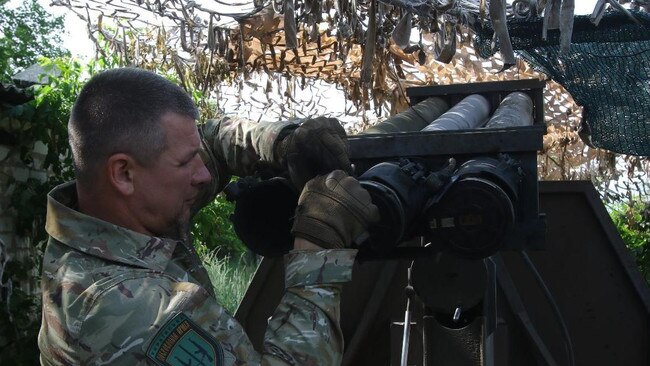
(515, 110)
(413, 119)
(469, 113)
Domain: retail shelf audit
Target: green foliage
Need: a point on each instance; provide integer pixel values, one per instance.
(633, 223)
(212, 230)
(19, 321)
(20, 315)
(42, 119)
(230, 278)
(27, 33)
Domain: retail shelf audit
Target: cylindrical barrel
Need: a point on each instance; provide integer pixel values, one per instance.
(413, 119)
(515, 110)
(469, 113)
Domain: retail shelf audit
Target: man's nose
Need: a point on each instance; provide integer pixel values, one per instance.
(202, 175)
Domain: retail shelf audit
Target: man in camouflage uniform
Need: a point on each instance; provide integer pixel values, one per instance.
(121, 282)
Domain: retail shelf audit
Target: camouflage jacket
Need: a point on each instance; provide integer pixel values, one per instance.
(114, 296)
(237, 146)
(241, 147)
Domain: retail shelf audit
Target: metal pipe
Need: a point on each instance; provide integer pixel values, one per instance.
(413, 119)
(469, 113)
(406, 336)
(515, 110)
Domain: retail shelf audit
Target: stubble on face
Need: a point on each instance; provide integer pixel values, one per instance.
(182, 228)
(179, 228)
(175, 217)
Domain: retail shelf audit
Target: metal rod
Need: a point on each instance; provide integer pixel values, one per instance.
(409, 291)
(407, 333)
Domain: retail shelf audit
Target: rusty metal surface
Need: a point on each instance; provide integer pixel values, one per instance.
(604, 301)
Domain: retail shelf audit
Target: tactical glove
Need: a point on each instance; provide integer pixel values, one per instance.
(333, 211)
(318, 146)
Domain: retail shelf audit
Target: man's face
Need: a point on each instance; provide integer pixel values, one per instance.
(167, 189)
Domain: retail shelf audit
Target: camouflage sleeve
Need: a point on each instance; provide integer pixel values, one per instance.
(239, 144)
(149, 318)
(305, 328)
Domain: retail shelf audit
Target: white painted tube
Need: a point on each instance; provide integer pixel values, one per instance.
(515, 110)
(469, 113)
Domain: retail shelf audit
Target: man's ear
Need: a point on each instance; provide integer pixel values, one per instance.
(120, 170)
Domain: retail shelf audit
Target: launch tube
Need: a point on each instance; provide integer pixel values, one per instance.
(515, 110)
(469, 113)
(413, 119)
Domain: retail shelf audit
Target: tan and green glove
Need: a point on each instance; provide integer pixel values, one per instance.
(334, 211)
(318, 146)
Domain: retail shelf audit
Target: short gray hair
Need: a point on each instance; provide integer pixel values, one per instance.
(119, 110)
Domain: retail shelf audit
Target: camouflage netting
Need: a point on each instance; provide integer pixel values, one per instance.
(278, 59)
(607, 70)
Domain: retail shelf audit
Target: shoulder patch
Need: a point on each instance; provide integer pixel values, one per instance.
(181, 342)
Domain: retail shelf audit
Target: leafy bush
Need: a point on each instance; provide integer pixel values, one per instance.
(44, 118)
(633, 223)
(212, 230)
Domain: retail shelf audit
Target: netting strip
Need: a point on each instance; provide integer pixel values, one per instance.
(607, 71)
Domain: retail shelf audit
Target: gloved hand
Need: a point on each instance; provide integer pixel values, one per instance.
(333, 211)
(316, 147)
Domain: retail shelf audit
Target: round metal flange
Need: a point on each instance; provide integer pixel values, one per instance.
(472, 218)
(446, 282)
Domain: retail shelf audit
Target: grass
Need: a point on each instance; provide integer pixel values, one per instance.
(230, 278)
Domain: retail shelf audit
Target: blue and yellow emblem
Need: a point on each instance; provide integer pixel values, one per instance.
(180, 342)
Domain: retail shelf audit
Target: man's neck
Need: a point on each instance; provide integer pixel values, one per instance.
(102, 204)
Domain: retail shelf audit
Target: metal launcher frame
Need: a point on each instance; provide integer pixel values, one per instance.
(594, 281)
(520, 143)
